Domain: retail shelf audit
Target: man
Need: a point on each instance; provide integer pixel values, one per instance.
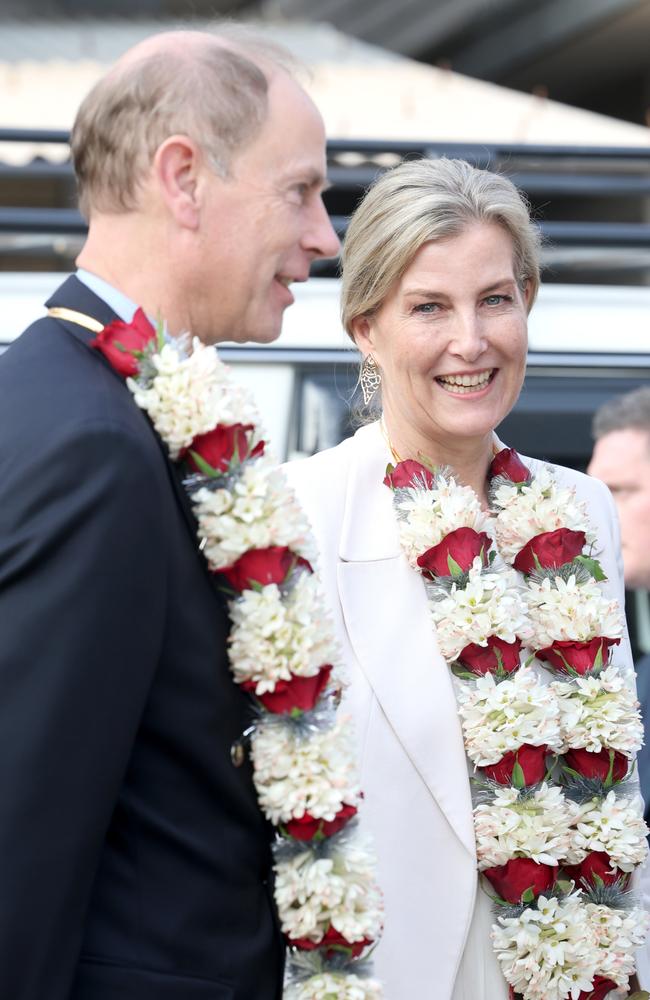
(621, 459)
(135, 860)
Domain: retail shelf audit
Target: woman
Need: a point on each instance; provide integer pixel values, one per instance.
(440, 269)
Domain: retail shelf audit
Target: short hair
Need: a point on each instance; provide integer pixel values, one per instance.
(420, 201)
(216, 93)
(630, 411)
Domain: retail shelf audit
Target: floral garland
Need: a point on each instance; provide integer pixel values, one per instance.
(282, 651)
(550, 724)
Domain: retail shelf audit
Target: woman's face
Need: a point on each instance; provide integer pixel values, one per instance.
(450, 339)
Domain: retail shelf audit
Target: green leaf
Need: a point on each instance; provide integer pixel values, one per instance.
(593, 566)
(639, 995)
(518, 779)
(454, 568)
(598, 881)
(528, 896)
(564, 886)
(205, 468)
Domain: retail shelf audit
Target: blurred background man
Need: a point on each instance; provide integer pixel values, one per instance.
(621, 458)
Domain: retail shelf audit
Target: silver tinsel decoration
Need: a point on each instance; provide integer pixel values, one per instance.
(287, 848)
(302, 965)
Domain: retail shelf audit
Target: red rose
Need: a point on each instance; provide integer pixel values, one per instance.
(550, 549)
(597, 863)
(332, 942)
(508, 465)
(306, 828)
(121, 343)
(488, 659)
(578, 656)
(408, 473)
(461, 545)
(300, 692)
(512, 880)
(591, 764)
(262, 566)
(531, 760)
(220, 446)
(600, 987)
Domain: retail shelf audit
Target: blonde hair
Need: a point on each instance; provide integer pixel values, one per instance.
(420, 201)
(214, 92)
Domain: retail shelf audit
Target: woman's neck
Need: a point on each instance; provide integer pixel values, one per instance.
(469, 458)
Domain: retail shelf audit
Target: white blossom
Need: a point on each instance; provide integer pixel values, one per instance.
(548, 952)
(599, 713)
(518, 825)
(617, 935)
(499, 717)
(276, 635)
(425, 516)
(614, 825)
(335, 986)
(340, 890)
(566, 610)
(258, 510)
(295, 775)
(534, 509)
(491, 603)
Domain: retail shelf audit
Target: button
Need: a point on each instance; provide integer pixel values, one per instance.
(237, 753)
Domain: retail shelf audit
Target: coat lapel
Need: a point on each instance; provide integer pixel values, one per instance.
(385, 609)
(73, 294)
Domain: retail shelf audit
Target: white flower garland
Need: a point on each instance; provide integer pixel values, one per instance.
(281, 645)
(552, 945)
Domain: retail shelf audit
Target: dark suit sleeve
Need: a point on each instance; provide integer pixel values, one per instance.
(82, 571)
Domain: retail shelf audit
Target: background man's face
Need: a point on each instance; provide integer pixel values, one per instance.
(622, 460)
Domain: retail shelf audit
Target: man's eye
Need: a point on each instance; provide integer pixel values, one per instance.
(497, 300)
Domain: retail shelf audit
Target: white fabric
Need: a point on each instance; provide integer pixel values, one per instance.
(413, 766)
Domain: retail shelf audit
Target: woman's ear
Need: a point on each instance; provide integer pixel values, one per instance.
(176, 168)
(361, 328)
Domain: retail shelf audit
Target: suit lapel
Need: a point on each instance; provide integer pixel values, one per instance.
(73, 294)
(385, 609)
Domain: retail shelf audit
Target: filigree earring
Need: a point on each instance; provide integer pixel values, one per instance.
(369, 378)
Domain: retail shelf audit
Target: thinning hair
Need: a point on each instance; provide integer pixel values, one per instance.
(420, 201)
(215, 92)
(630, 411)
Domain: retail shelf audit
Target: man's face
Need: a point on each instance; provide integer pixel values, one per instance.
(622, 460)
(262, 226)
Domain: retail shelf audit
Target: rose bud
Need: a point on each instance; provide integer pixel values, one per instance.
(567, 655)
(306, 828)
(119, 342)
(600, 987)
(531, 760)
(496, 655)
(592, 764)
(508, 465)
(218, 447)
(550, 550)
(331, 943)
(262, 566)
(512, 880)
(596, 865)
(408, 473)
(459, 547)
(300, 693)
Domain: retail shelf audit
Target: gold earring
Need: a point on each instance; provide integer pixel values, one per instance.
(369, 378)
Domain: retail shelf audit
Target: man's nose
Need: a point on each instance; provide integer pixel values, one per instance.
(321, 239)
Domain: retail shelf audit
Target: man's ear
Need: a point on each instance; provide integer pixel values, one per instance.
(176, 169)
(361, 328)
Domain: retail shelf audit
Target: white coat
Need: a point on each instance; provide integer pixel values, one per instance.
(414, 773)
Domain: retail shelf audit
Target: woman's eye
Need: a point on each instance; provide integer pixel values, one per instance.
(426, 307)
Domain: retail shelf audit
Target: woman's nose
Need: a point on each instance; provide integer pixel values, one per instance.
(468, 339)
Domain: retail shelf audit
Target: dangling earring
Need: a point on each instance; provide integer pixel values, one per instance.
(369, 378)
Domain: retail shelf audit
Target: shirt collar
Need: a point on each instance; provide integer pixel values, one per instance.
(121, 304)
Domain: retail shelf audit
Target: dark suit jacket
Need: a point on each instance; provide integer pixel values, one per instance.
(134, 860)
(642, 668)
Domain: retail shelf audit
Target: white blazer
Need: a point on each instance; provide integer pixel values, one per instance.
(414, 774)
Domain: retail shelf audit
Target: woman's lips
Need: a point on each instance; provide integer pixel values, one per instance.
(466, 383)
